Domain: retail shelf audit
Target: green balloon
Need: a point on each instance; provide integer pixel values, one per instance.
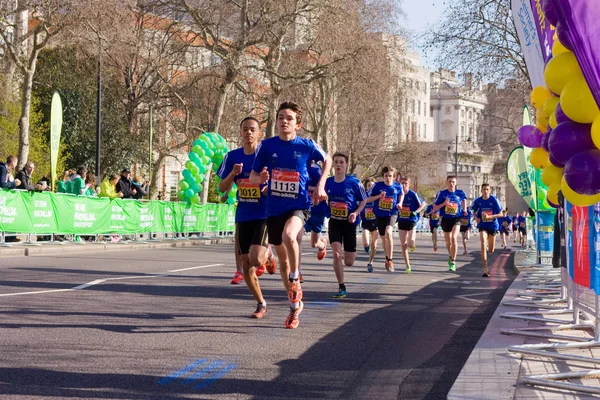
(202, 169)
(183, 184)
(194, 169)
(197, 142)
(196, 149)
(205, 160)
(188, 193)
(199, 178)
(232, 193)
(180, 195)
(189, 164)
(195, 199)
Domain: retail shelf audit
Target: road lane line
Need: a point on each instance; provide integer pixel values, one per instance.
(188, 269)
(39, 292)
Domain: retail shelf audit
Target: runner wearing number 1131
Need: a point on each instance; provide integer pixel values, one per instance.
(282, 163)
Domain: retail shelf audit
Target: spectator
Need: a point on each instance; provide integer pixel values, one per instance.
(45, 182)
(140, 186)
(62, 183)
(6, 180)
(124, 185)
(24, 176)
(78, 182)
(107, 187)
(90, 185)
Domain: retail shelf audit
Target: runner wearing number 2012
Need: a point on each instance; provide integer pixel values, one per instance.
(346, 198)
(283, 162)
(452, 204)
(251, 213)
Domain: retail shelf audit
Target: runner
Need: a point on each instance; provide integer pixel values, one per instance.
(318, 212)
(434, 222)
(410, 210)
(487, 210)
(366, 233)
(453, 205)
(515, 227)
(387, 196)
(369, 226)
(506, 223)
(251, 213)
(283, 162)
(347, 199)
(522, 224)
(465, 229)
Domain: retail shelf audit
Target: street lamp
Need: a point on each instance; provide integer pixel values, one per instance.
(468, 140)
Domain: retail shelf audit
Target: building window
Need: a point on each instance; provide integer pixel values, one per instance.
(447, 110)
(424, 108)
(470, 114)
(419, 109)
(431, 110)
(413, 105)
(425, 87)
(425, 131)
(417, 83)
(462, 132)
(462, 113)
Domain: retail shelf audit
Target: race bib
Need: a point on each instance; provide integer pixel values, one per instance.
(435, 216)
(464, 222)
(339, 210)
(386, 204)
(485, 214)
(285, 184)
(452, 209)
(369, 214)
(505, 223)
(405, 212)
(248, 191)
(523, 224)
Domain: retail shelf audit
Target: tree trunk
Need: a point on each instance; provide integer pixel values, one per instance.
(155, 181)
(224, 90)
(24, 120)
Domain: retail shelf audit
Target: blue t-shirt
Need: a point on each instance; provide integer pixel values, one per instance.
(455, 209)
(287, 163)
(506, 222)
(367, 214)
(466, 219)
(434, 217)
(252, 204)
(314, 174)
(386, 207)
(410, 204)
(522, 222)
(344, 197)
(490, 206)
(515, 222)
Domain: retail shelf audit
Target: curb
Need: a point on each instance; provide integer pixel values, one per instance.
(42, 249)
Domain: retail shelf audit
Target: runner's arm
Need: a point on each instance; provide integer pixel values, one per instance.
(423, 205)
(327, 163)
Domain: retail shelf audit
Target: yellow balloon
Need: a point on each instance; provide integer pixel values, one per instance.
(541, 126)
(561, 70)
(596, 132)
(539, 158)
(552, 194)
(558, 48)
(539, 95)
(552, 121)
(551, 175)
(575, 198)
(577, 102)
(550, 106)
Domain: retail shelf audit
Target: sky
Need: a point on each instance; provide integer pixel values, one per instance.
(419, 15)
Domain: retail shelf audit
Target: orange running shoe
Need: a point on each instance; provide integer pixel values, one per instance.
(271, 263)
(237, 278)
(295, 291)
(322, 253)
(389, 265)
(261, 270)
(300, 278)
(260, 312)
(292, 321)
(434, 248)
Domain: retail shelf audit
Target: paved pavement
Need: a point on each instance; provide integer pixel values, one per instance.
(165, 323)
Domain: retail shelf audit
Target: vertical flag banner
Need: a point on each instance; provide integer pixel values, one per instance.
(516, 171)
(545, 31)
(56, 120)
(545, 233)
(526, 25)
(581, 245)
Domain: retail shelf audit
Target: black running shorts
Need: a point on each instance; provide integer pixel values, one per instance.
(384, 222)
(343, 232)
(448, 223)
(490, 232)
(369, 224)
(406, 224)
(276, 224)
(251, 233)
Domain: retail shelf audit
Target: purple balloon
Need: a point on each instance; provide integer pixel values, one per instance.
(530, 136)
(550, 12)
(582, 173)
(560, 115)
(563, 36)
(555, 162)
(545, 139)
(569, 139)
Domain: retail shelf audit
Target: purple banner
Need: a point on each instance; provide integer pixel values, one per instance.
(580, 21)
(544, 29)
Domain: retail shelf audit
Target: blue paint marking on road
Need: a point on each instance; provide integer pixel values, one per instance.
(377, 280)
(327, 305)
(178, 374)
(218, 375)
(206, 370)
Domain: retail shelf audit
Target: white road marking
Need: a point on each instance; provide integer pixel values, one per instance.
(42, 291)
(459, 322)
(201, 266)
(468, 296)
(306, 254)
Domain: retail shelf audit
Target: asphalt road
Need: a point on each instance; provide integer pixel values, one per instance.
(166, 324)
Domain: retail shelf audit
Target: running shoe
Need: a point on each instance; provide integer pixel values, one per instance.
(261, 270)
(300, 278)
(486, 273)
(260, 312)
(412, 249)
(407, 270)
(434, 248)
(237, 278)
(341, 294)
(389, 265)
(452, 266)
(465, 253)
(292, 321)
(271, 262)
(295, 291)
(321, 253)
(369, 267)
(367, 249)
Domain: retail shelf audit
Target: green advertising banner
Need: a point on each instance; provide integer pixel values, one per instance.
(45, 213)
(516, 171)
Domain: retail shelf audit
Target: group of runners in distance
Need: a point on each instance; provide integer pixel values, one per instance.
(284, 190)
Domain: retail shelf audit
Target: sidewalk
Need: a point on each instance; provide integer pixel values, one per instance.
(491, 372)
(21, 249)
